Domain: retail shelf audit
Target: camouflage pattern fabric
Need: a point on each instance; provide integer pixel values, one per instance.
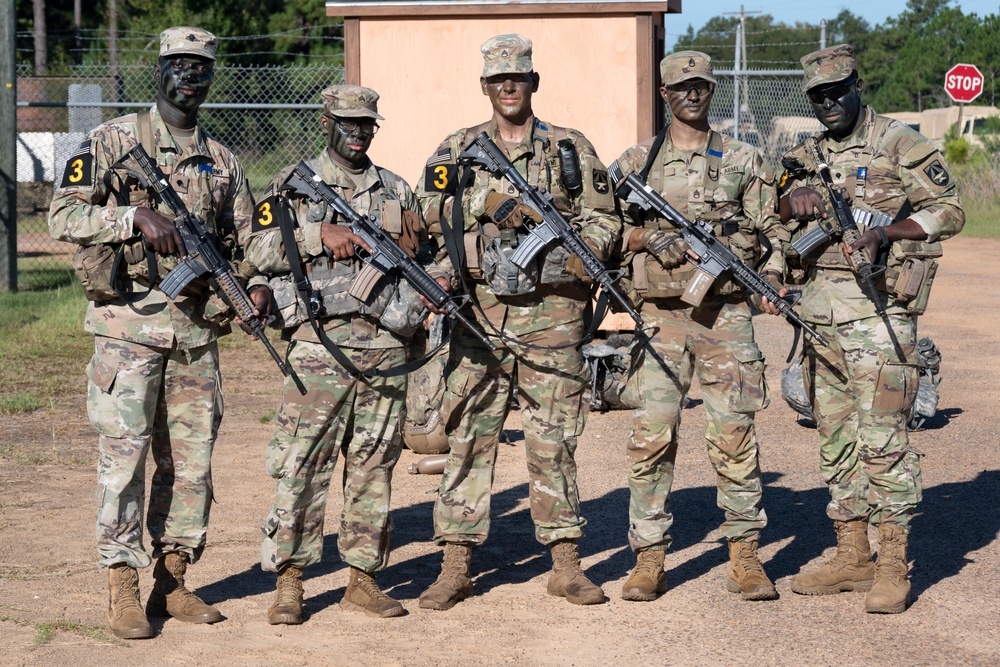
(551, 387)
(177, 422)
(187, 40)
(714, 341)
(685, 65)
(552, 384)
(206, 176)
(506, 54)
(339, 413)
(344, 101)
(829, 65)
(861, 393)
(373, 191)
(154, 374)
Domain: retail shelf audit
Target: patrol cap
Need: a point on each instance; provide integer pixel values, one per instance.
(505, 54)
(351, 102)
(186, 40)
(828, 65)
(686, 65)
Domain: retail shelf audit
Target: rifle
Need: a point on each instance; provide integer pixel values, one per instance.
(483, 152)
(201, 259)
(859, 261)
(714, 256)
(386, 254)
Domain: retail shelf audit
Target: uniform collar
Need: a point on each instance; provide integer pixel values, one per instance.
(671, 153)
(163, 138)
(527, 145)
(333, 174)
(859, 139)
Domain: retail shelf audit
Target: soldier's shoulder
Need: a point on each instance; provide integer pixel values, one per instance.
(903, 144)
(634, 157)
(393, 181)
(734, 149)
(455, 142)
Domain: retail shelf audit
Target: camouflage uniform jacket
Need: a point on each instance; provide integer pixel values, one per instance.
(367, 193)
(206, 176)
(741, 205)
(884, 166)
(537, 159)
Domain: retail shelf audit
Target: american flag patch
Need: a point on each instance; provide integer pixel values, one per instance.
(442, 156)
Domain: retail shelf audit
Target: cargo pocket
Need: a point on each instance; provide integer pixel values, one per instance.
(102, 374)
(270, 526)
(750, 392)
(896, 387)
(281, 451)
(631, 390)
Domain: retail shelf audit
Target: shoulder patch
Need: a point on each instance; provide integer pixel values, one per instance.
(79, 171)
(601, 185)
(937, 173)
(615, 173)
(443, 155)
(263, 215)
(441, 177)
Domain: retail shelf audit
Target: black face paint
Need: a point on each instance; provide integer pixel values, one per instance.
(510, 94)
(184, 81)
(838, 106)
(350, 138)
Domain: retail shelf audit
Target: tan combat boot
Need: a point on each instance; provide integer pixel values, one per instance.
(746, 574)
(287, 606)
(453, 584)
(850, 569)
(648, 579)
(567, 579)
(364, 595)
(891, 592)
(171, 598)
(124, 610)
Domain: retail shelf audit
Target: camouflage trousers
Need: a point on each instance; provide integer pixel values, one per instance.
(861, 396)
(141, 398)
(552, 386)
(716, 343)
(339, 414)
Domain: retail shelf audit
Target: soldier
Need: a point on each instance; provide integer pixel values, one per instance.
(154, 379)
(540, 312)
(860, 388)
(343, 410)
(708, 176)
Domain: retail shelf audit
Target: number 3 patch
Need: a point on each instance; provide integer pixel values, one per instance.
(263, 216)
(440, 177)
(79, 170)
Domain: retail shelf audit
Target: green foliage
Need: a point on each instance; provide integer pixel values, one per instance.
(957, 150)
(19, 402)
(979, 185)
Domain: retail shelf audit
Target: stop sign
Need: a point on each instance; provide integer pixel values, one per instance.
(963, 82)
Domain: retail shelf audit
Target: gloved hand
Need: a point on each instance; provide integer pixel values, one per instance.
(507, 211)
(574, 264)
(668, 248)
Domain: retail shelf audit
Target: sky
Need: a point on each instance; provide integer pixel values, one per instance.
(698, 12)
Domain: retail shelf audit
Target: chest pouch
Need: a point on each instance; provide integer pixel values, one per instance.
(503, 277)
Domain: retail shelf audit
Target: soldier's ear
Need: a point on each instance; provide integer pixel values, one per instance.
(534, 84)
(860, 86)
(482, 84)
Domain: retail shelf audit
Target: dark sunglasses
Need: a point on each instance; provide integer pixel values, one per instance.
(831, 92)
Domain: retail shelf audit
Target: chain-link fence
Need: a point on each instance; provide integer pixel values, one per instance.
(268, 116)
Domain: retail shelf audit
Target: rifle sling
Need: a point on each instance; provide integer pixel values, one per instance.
(304, 288)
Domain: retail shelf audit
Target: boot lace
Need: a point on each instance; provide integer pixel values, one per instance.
(289, 588)
(648, 564)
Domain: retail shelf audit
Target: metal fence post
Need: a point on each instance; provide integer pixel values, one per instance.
(8, 154)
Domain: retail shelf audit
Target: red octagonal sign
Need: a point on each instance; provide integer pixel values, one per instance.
(963, 82)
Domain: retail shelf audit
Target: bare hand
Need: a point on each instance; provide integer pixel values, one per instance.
(871, 241)
(804, 204)
(261, 299)
(158, 230)
(446, 286)
(340, 240)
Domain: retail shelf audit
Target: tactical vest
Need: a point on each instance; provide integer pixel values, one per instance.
(488, 248)
(910, 265)
(651, 280)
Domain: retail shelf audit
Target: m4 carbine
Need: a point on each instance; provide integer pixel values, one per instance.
(714, 256)
(200, 257)
(385, 256)
(554, 227)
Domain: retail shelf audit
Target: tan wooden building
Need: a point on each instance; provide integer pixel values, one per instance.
(598, 63)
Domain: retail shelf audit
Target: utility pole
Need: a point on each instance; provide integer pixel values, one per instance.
(822, 34)
(741, 96)
(8, 156)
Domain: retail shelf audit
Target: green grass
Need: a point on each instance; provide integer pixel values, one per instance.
(44, 632)
(43, 345)
(18, 403)
(981, 220)
(39, 457)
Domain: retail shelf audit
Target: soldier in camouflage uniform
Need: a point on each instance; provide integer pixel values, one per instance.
(341, 412)
(543, 306)
(860, 388)
(709, 176)
(154, 379)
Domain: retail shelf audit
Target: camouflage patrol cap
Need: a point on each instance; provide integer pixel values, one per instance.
(351, 102)
(828, 65)
(505, 54)
(686, 65)
(186, 40)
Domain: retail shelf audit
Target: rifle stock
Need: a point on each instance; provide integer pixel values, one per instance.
(554, 227)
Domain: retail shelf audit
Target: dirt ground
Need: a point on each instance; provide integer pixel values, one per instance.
(53, 597)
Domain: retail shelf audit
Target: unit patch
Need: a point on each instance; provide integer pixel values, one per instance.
(937, 173)
(441, 177)
(263, 215)
(601, 181)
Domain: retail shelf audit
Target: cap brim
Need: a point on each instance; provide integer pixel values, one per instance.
(519, 70)
(822, 79)
(355, 113)
(689, 76)
(187, 53)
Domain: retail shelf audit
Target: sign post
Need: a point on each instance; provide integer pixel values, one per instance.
(963, 83)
